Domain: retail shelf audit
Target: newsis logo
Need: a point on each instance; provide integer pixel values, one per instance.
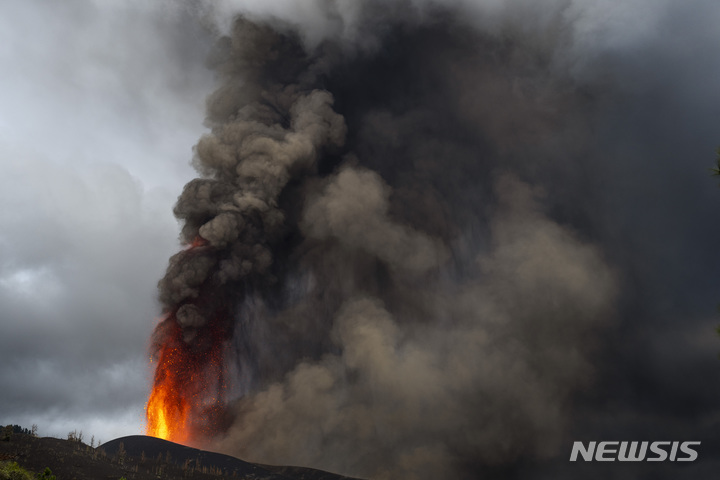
(634, 451)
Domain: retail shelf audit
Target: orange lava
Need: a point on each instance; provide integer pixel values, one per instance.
(187, 388)
(167, 407)
(198, 241)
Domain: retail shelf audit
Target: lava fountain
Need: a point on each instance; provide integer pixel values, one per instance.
(188, 386)
(187, 395)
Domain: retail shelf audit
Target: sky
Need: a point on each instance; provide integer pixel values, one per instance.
(101, 104)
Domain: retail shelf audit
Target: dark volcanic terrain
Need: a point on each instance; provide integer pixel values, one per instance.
(140, 458)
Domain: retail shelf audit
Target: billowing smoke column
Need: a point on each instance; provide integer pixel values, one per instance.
(377, 281)
(261, 141)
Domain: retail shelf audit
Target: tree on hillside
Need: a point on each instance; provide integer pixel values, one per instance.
(121, 453)
(46, 475)
(13, 471)
(23, 430)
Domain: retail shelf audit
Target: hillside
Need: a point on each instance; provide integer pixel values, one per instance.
(139, 457)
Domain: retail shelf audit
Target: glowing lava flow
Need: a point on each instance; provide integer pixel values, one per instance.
(168, 415)
(186, 402)
(187, 398)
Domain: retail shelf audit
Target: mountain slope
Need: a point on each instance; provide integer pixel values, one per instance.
(141, 458)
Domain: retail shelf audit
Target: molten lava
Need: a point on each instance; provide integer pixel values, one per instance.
(198, 241)
(187, 396)
(167, 407)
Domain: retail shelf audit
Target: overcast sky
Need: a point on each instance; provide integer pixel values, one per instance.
(101, 103)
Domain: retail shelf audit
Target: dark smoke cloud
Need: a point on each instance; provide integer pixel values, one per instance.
(412, 395)
(261, 141)
(380, 215)
(476, 278)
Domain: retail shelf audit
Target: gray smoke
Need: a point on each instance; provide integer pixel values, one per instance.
(482, 370)
(261, 140)
(408, 300)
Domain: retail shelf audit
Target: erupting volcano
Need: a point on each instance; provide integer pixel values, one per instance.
(381, 305)
(188, 392)
(186, 403)
(232, 224)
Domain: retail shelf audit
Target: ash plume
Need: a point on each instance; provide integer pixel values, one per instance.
(401, 291)
(261, 140)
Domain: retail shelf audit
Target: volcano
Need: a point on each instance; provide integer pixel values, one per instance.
(377, 273)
